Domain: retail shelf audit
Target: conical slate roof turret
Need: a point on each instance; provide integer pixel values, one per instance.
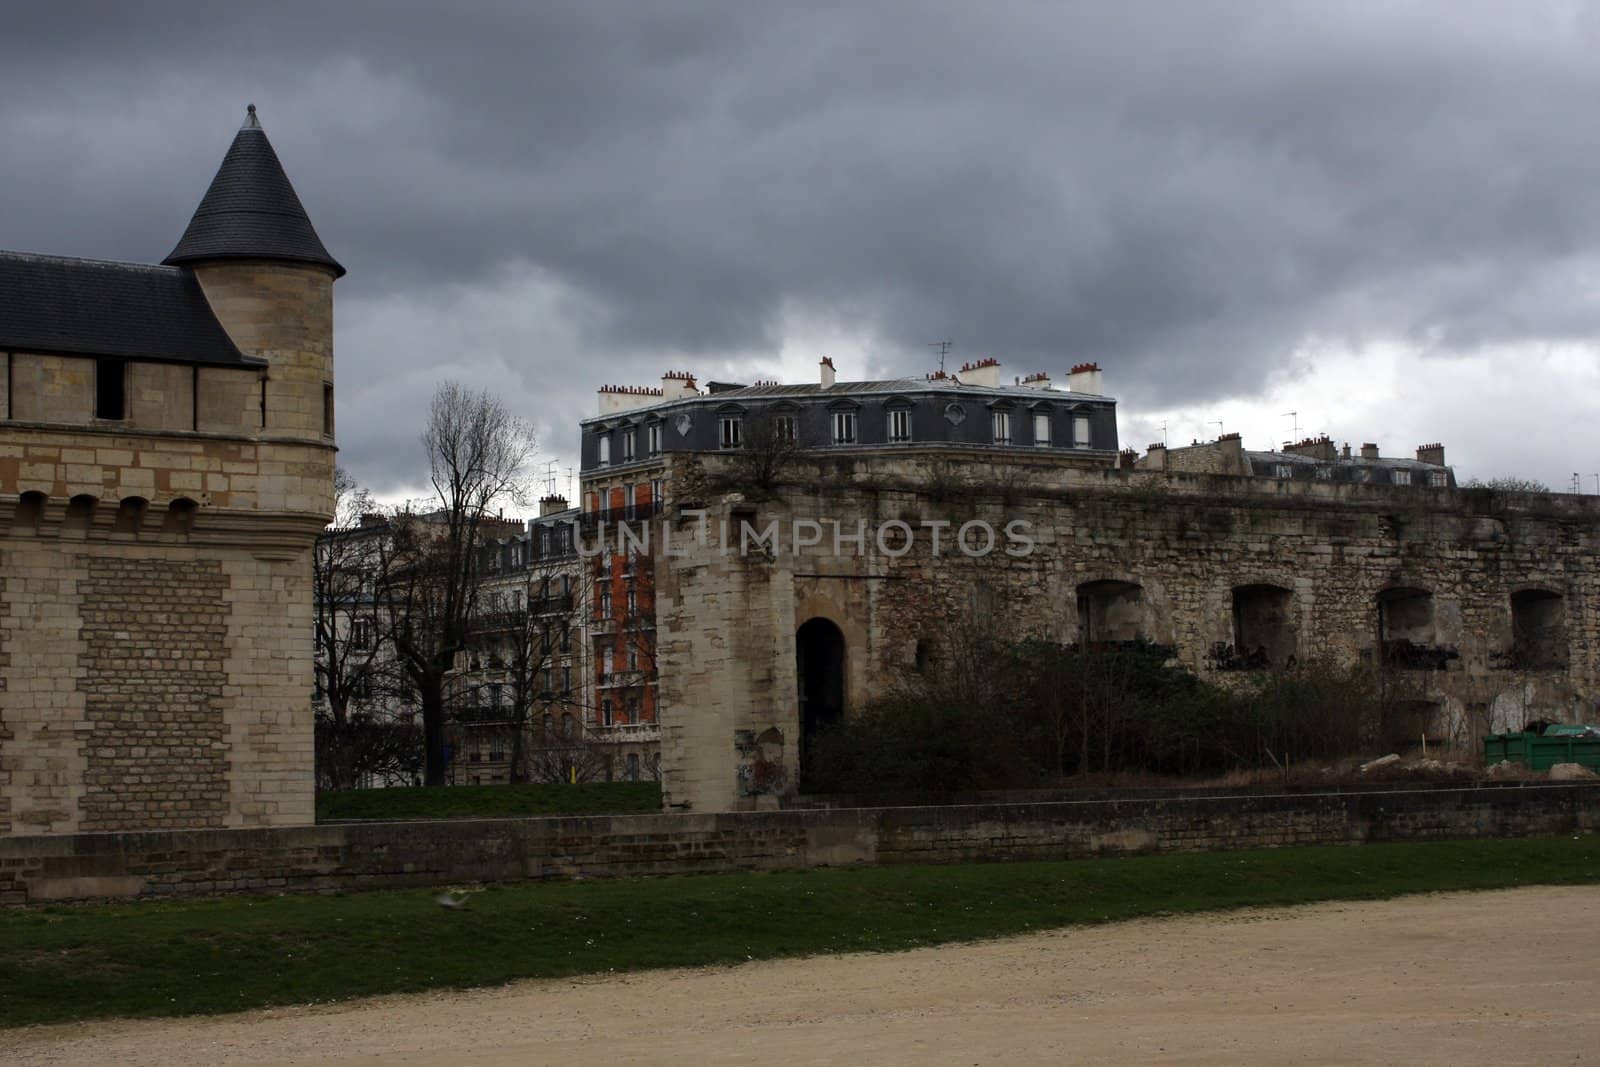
(251, 211)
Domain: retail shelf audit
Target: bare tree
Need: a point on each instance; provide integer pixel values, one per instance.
(527, 658)
(767, 451)
(344, 570)
(479, 455)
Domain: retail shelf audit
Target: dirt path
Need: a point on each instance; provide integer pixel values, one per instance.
(1492, 978)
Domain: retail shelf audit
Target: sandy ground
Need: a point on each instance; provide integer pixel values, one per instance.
(1487, 978)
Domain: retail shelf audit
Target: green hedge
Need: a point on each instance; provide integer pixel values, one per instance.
(489, 801)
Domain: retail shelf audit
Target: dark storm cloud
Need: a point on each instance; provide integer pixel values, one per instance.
(1183, 191)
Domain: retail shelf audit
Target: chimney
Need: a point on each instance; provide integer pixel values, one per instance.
(615, 398)
(1346, 450)
(1155, 458)
(1369, 451)
(1036, 381)
(677, 383)
(549, 505)
(1433, 454)
(1085, 378)
(1315, 447)
(985, 372)
(826, 367)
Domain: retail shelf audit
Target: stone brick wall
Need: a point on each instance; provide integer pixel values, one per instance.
(163, 680)
(342, 858)
(6, 736)
(727, 622)
(152, 675)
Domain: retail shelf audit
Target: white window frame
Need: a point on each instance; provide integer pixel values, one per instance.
(652, 438)
(844, 427)
(1438, 480)
(1080, 431)
(1284, 470)
(786, 428)
(730, 431)
(1041, 421)
(627, 445)
(605, 450)
(1400, 477)
(1000, 422)
(899, 425)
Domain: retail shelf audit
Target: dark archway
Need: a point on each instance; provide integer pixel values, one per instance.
(1263, 625)
(819, 669)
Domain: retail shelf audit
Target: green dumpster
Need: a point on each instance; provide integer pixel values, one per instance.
(1560, 744)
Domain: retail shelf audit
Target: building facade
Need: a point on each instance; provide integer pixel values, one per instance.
(166, 463)
(787, 598)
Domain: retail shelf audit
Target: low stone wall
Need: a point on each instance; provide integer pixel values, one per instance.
(390, 855)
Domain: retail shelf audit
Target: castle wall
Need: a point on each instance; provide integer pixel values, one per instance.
(163, 682)
(57, 389)
(156, 613)
(727, 622)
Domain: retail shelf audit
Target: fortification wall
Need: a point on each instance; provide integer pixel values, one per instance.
(344, 858)
(159, 679)
(727, 619)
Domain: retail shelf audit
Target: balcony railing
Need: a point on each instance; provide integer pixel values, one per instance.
(629, 731)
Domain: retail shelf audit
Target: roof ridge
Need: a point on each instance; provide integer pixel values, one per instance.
(163, 268)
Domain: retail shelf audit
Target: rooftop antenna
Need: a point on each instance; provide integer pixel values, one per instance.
(1295, 415)
(1163, 433)
(1218, 424)
(550, 476)
(1577, 485)
(1597, 484)
(944, 350)
(569, 483)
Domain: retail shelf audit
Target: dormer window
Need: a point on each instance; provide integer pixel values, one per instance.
(844, 427)
(652, 438)
(1080, 431)
(1041, 428)
(731, 431)
(1001, 421)
(1284, 470)
(628, 434)
(1400, 477)
(900, 425)
(605, 449)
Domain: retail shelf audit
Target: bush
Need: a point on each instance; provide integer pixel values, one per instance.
(998, 715)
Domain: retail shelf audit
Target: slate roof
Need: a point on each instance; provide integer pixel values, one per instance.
(251, 211)
(893, 385)
(90, 307)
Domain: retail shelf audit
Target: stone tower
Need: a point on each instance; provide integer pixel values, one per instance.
(166, 463)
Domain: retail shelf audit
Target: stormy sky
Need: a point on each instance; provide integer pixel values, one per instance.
(1382, 217)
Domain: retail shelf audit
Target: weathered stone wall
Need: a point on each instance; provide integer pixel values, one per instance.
(342, 858)
(727, 621)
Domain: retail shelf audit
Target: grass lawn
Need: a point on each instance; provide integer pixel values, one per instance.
(60, 963)
(489, 801)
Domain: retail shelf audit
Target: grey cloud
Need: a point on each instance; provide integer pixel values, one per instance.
(1183, 191)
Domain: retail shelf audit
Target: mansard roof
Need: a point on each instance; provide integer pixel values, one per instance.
(251, 211)
(55, 304)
